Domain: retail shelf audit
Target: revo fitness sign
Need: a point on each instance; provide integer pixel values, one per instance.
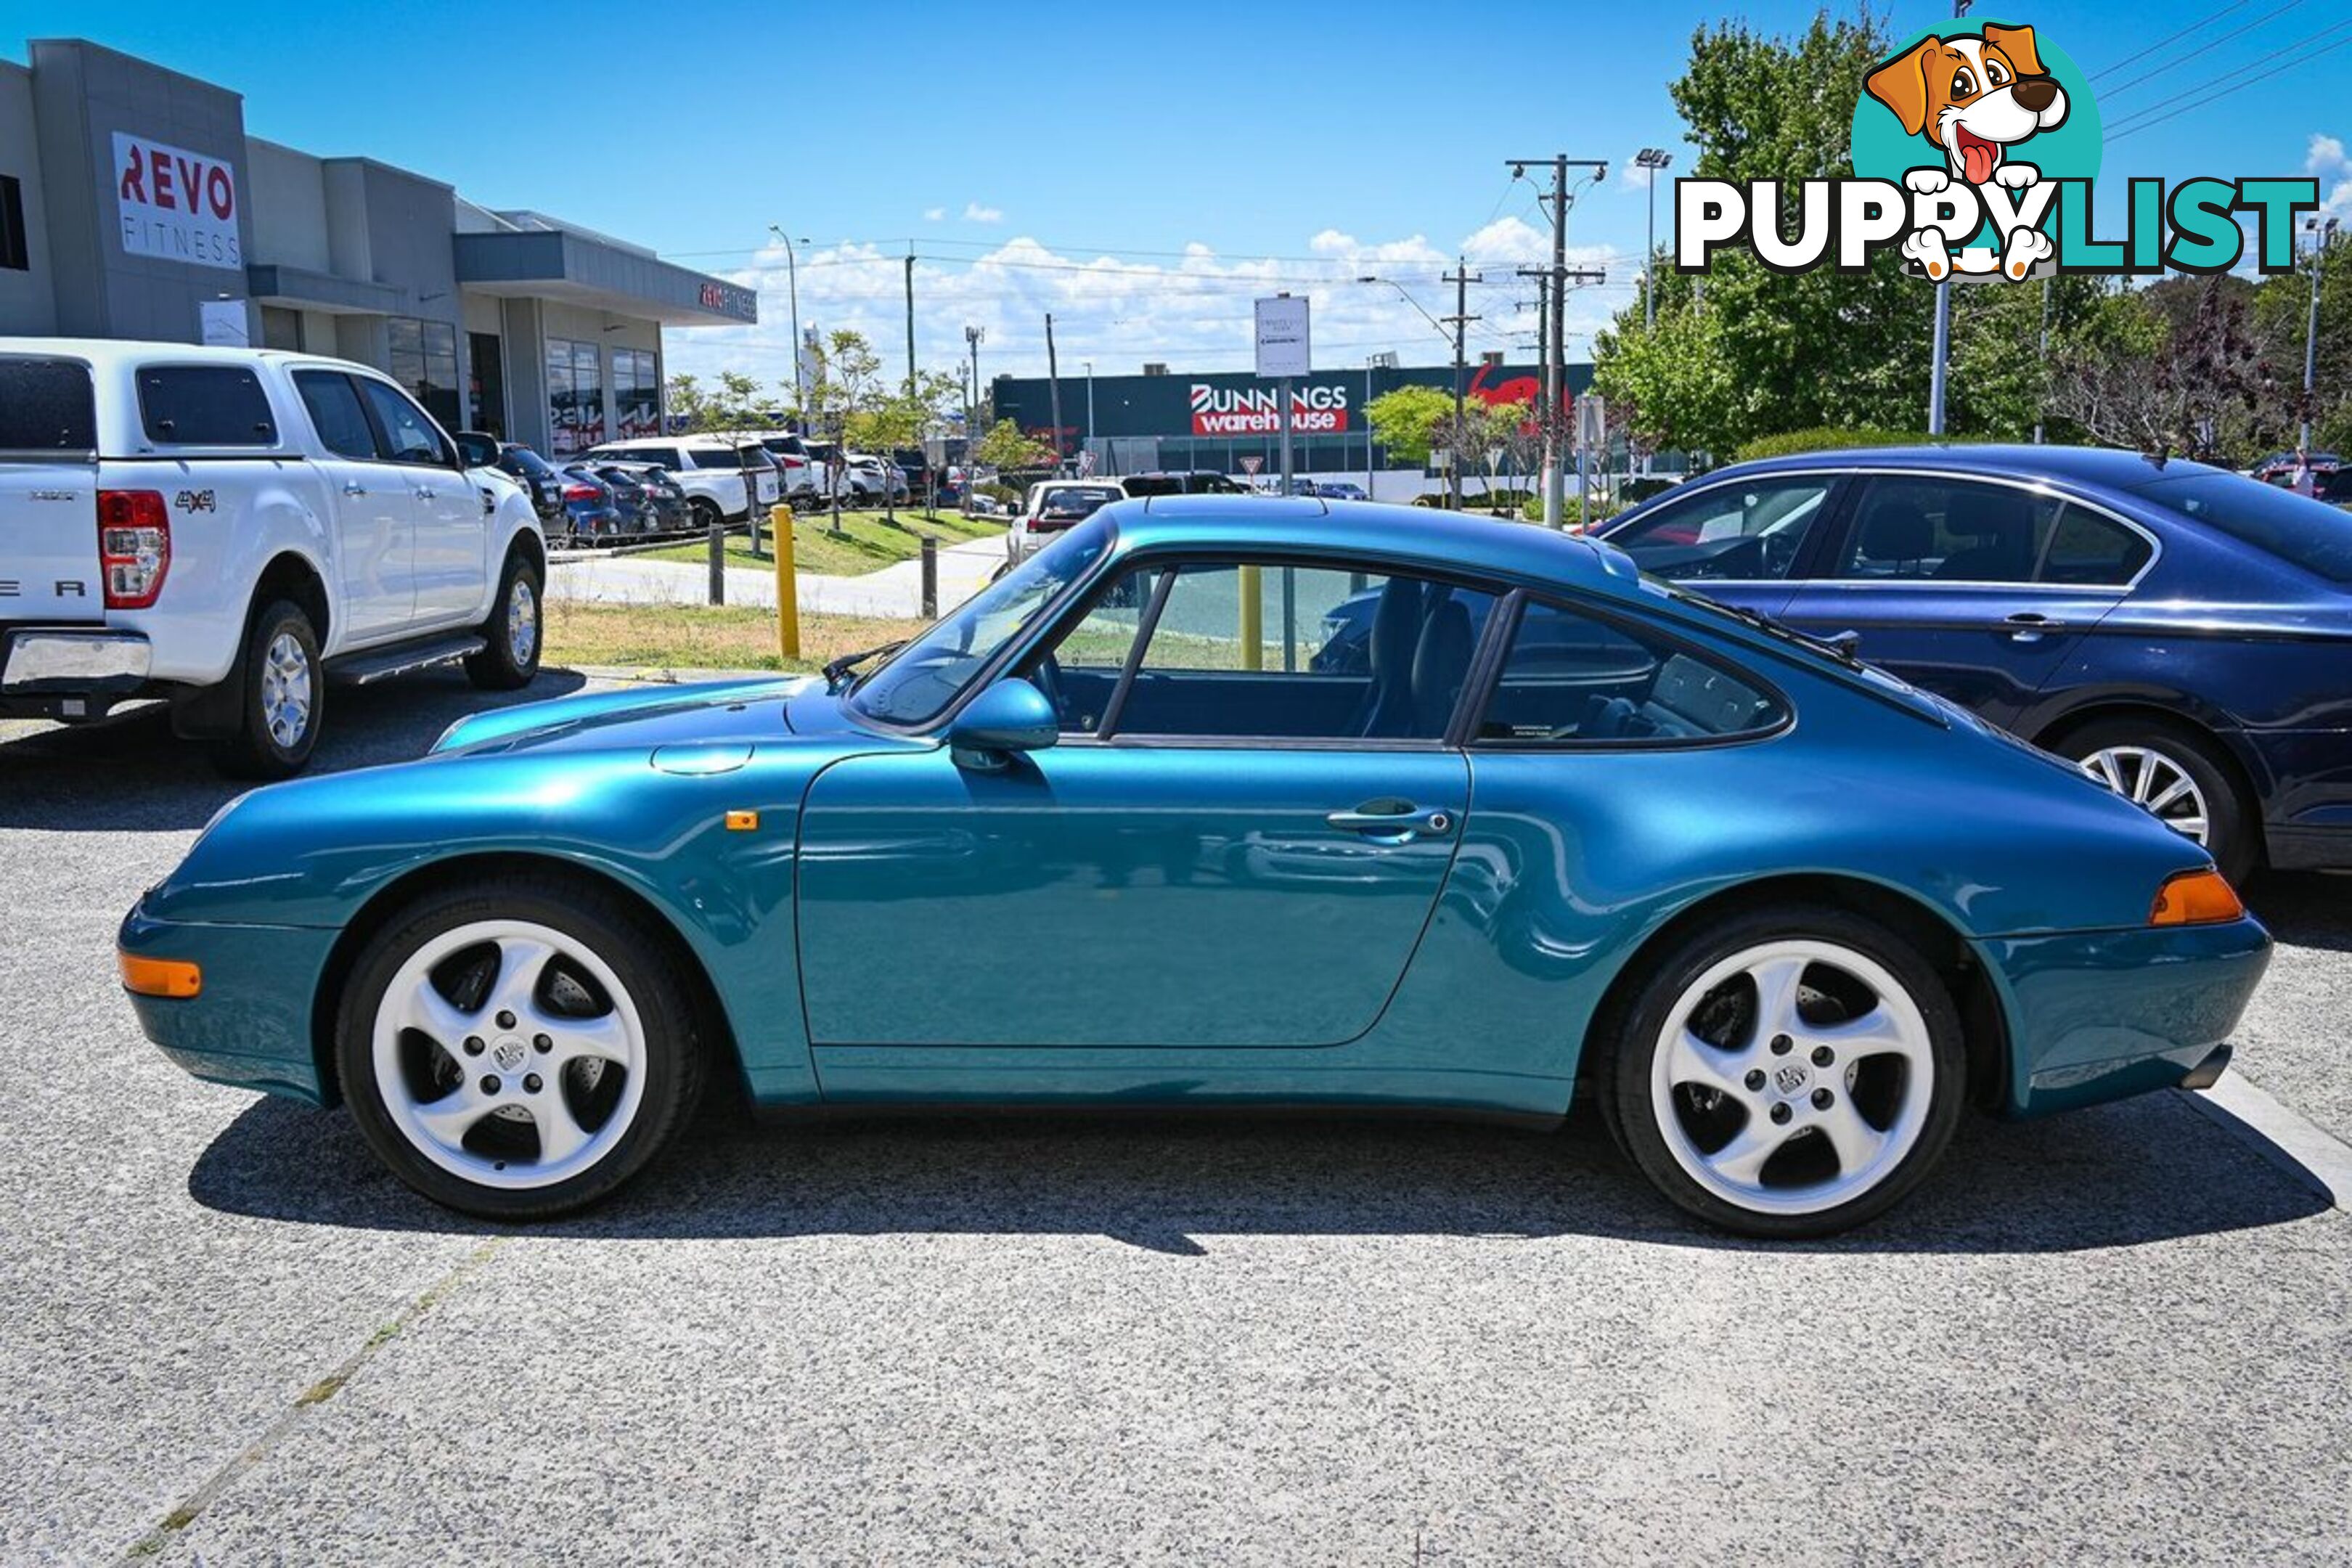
(176, 206)
(1258, 410)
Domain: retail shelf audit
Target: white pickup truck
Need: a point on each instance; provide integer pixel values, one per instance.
(228, 528)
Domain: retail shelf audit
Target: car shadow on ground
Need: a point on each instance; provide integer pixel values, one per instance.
(2149, 1170)
(130, 774)
(2303, 909)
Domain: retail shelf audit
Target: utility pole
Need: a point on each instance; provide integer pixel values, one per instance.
(1552, 284)
(1652, 159)
(1461, 278)
(911, 317)
(971, 336)
(2045, 357)
(1054, 386)
(1943, 346)
(792, 284)
(2323, 236)
(1554, 337)
(1090, 406)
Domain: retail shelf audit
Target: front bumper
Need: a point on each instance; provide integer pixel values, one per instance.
(251, 1026)
(2097, 1015)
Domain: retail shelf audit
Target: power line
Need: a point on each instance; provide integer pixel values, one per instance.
(2131, 125)
(2172, 38)
(2206, 46)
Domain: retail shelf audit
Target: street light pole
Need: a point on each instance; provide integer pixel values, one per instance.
(2322, 237)
(971, 336)
(1652, 159)
(1935, 376)
(1090, 404)
(792, 284)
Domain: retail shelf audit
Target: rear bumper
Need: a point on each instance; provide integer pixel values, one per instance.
(250, 1026)
(61, 672)
(2098, 1016)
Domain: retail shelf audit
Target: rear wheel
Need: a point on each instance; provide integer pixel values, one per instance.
(518, 1048)
(2175, 776)
(283, 697)
(1789, 1073)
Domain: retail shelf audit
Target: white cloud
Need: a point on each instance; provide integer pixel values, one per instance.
(934, 214)
(1191, 311)
(2327, 160)
(974, 213)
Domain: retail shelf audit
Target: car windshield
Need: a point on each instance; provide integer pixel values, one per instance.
(932, 671)
(528, 461)
(2312, 534)
(1077, 503)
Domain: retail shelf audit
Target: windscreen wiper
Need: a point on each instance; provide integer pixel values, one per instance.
(1845, 646)
(849, 661)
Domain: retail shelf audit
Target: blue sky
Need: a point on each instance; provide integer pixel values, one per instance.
(1139, 171)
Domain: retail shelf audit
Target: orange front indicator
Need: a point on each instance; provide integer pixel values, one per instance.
(2196, 897)
(172, 977)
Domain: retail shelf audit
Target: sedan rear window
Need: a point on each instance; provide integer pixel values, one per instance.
(205, 405)
(46, 406)
(2311, 534)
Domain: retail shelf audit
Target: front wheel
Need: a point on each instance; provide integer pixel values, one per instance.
(1786, 1073)
(282, 699)
(516, 1048)
(2175, 777)
(514, 632)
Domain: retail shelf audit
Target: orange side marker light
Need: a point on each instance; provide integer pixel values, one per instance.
(2195, 898)
(742, 821)
(172, 977)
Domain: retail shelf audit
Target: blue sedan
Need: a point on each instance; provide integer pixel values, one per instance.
(1111, 834)
(2181, 633)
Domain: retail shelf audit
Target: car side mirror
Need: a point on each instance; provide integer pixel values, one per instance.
(1009, 717)
(476, 451)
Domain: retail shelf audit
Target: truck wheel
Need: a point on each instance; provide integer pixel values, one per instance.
(706, 513)
(513, 631)
(283, 699)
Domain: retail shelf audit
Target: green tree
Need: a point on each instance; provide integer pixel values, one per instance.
(689, 405)
(1006, 447)
(1407, 420)
(1672, 381)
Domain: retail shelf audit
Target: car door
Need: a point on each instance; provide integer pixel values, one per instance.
(452, 530)
(374, 508)
(1743, 541)
(1186, 870)
(1972, 588)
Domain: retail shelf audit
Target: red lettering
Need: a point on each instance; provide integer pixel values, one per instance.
(192, 182)
(134, 180)
(159, 166)
(220, 192)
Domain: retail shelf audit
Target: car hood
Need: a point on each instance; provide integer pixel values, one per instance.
(711, 713)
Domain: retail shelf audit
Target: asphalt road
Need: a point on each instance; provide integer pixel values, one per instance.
(226, 1337)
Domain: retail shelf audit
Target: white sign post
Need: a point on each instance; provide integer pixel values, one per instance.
(1283, 353)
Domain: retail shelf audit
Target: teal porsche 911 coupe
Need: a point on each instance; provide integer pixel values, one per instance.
(1119, 831)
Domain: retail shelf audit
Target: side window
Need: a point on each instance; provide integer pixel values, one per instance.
(1730, 532)
(205, 405)
(2090, 551)
(409, 435)
(335, 410)
(1959, 531)
(1277, 652)
(1570, 676)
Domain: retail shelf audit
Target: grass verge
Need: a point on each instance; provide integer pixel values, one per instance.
(673, 636)
(868, 541)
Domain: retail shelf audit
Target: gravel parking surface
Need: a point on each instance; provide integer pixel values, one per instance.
(230, 1338)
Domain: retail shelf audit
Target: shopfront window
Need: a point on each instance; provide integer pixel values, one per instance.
(636, 394)
(575, 396)
(424, 361)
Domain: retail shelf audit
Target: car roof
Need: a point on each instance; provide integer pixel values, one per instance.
(111, 353)
(1481, 546)
(2104, 468)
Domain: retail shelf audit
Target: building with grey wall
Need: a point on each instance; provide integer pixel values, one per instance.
(133, 205)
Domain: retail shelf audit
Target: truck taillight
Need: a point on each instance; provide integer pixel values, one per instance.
(134, 546)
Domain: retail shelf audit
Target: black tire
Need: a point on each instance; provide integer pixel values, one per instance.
(706, 513)
(501, 666)
(673, 1070)
(261, 747)
(2232, 836)
(1629, 1033)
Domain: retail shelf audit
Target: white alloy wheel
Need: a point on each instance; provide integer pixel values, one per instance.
(522, 621)
(286, 690)
(2157, 783)
(1792, 1077)
(509, 1054)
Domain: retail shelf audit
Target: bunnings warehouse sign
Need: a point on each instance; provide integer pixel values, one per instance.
(1257, 411)
(1238, 406)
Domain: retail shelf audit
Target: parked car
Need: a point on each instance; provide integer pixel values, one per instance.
(1053, 507)
(878, 478)
(662, 500)
(2177, 631)
(1184, 482)
(796, 472)
(630, 497)
(1673, 858)
(526, 468)
(835, 470)
(723, 477)
(593, 512)
(227, 528)
(1340, 489)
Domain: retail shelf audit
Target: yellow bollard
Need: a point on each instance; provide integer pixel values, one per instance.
(788, 589)
(1252, 627)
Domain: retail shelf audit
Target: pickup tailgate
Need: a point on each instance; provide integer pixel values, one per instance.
(48, 492)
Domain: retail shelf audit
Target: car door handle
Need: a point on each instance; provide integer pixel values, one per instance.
(424, 492)
(1395, 820)
(2029, 626)
(354, 489)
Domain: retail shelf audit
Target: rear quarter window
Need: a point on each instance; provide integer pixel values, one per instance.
(204, 406)
(2310, 534)
(46, 406)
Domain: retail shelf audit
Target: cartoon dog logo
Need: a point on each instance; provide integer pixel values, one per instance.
(1974, 97)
